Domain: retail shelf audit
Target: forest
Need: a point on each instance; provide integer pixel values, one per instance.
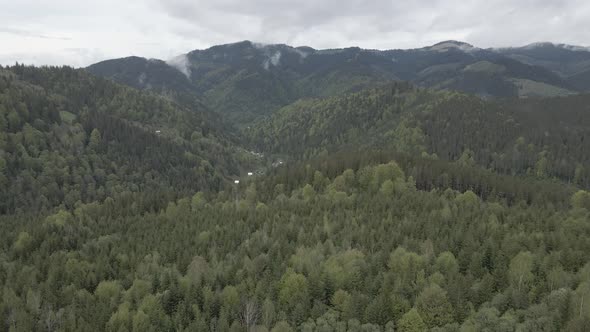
(542, 137)
(397, 208)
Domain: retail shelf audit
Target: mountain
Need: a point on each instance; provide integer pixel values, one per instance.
(563, 59)
(161, 76)
(581, 80)
(67, 137)
(527, 137)
(152, 75)
(570, 62)
(393, 207)
(460, 66)
(246, 80)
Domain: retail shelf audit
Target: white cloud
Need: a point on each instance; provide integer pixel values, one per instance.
(181, 63)
(275, 58)
(272, 60)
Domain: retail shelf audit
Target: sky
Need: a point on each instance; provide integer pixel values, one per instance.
(82, 32)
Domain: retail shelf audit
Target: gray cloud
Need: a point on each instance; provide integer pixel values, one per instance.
(47, 32)
(388, 23)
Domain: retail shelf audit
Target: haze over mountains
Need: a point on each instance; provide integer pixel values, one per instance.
(246, 80)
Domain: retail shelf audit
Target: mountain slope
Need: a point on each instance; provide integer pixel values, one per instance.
(70, 137)
(153, 74)
(566, 60)
(538, 137)
(355, 244)
(246, 81)
(570, 62)
(581, 80)
(460, 66)
(398, 208)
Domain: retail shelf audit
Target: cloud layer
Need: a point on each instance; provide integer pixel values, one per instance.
(79, 33)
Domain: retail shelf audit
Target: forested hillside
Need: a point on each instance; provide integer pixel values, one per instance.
(393, 208)
(570, 62)
(152, 75)
(544, 138)
(309, 248)
(67, 137)
(247, 81)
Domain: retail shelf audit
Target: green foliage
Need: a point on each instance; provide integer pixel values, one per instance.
(411, 322)
(520, 271)
(308, 126)
(293, 290)
(361, 264)
(282, 326)
(406, 267)
(95, 139)
(23, 242)
(581, 199)
(308, 193)
(344, 270)
(434, 307)
(133, 230)
(489, 319)
(246, 81)
(72, 138)
(342, 301)
(468, 198)
(446, 263)
(446, 125)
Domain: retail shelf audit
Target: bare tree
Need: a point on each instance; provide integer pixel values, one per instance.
(11, 318)
(249, 314)
(52, 319)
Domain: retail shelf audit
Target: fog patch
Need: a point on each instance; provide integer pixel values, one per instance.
(141, 79)
(274, 60)
(181, 63)
(301, 53)
(259, 46)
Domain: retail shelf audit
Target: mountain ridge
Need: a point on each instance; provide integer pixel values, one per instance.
(247, 80)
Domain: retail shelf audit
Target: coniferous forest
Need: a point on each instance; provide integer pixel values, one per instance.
(388, 208)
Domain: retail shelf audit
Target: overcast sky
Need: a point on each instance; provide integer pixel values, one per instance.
(81, 32)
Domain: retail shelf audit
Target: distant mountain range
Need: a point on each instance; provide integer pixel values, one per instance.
(247, 81)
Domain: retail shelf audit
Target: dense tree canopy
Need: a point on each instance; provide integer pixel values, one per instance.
(544, 138)
(67, 137)
(351, 257)
(118, 213)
